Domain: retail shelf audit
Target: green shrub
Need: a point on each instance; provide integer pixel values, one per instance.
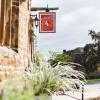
(47, 80)
(16, 90)
(42, 80)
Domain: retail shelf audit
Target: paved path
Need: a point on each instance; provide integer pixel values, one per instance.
(91, 91)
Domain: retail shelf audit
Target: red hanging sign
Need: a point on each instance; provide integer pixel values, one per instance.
(47, 22)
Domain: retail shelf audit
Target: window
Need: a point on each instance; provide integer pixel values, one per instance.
(9, 22)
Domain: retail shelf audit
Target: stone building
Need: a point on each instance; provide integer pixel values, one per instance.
(16, 37)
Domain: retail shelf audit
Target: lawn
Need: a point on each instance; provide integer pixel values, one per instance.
(94, 80)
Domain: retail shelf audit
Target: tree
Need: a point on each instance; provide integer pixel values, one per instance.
(56, 57)
(96, 37)
(92, 52)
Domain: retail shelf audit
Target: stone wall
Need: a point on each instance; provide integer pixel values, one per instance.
(11, 62)
(23, 37)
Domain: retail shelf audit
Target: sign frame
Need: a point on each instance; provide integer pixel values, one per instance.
(53, 15)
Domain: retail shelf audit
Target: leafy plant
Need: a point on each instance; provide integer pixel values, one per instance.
(16, 90)
(47, 80)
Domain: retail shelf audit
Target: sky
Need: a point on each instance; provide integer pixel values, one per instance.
(73, 20)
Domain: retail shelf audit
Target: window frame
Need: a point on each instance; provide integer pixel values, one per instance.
(6, 37)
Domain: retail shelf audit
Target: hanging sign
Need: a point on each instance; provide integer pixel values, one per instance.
(47, 22)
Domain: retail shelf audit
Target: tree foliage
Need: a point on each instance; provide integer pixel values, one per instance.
(56, 57)
(92, 53)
